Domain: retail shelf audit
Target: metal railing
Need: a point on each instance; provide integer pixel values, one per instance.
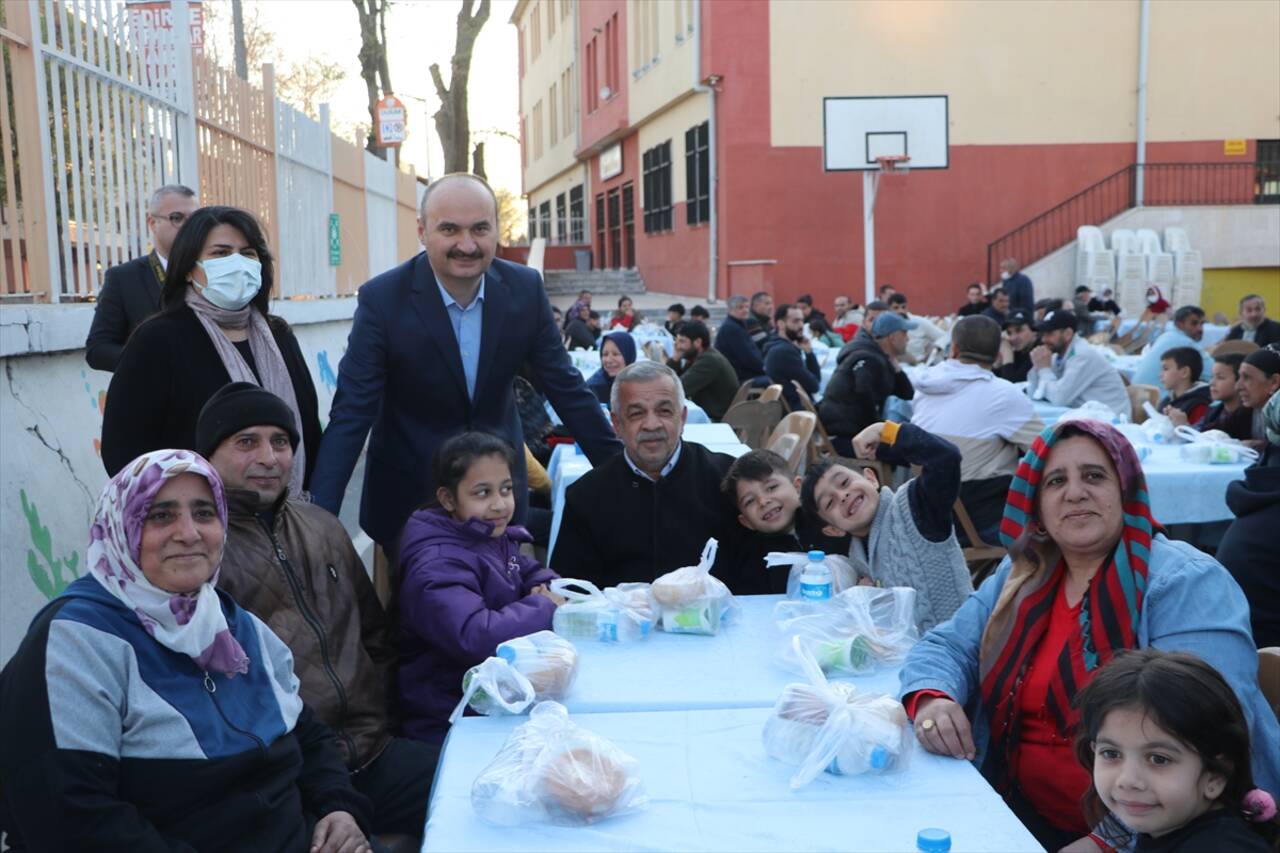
(1164, 185)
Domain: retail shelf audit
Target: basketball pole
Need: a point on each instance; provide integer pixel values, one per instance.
(870, 182)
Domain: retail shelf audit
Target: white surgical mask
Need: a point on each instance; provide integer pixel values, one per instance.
(233, 280)
(1005, 275)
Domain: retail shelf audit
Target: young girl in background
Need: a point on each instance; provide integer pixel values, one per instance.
(1168, 746)
(464, 586)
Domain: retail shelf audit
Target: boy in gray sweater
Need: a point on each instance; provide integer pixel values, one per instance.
(903, 538)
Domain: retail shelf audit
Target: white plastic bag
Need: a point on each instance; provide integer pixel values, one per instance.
(858, 630)
(833, 727)
(494, 688)
(692, 601)
(843, 573)
(614, 615)
(1092, 410)
(552, 769)
(548, 661)
(1213, 447)
(1157, 428)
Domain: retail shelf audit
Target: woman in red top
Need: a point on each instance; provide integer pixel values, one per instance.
(625, 316)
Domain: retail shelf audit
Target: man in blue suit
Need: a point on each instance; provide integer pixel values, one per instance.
(434, 347)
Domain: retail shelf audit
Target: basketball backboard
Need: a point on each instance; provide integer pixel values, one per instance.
(857, 130)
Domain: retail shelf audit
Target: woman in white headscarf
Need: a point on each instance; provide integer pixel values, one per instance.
(145, 710)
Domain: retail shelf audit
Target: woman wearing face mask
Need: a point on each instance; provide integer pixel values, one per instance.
(213, 328)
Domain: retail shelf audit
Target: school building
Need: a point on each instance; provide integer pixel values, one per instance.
(684, 138)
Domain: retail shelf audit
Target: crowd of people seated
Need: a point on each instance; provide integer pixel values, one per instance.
(224, 675)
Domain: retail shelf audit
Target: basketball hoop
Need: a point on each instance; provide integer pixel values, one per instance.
(894, 165)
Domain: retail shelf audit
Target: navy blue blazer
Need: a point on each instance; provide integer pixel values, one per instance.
(402, 376)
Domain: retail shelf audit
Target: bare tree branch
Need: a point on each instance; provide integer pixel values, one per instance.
(452, 122)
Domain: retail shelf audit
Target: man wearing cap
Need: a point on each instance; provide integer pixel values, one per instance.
(1014, 361)
(292, 565)
(1066, 370)
(865, 379)
(990, 420)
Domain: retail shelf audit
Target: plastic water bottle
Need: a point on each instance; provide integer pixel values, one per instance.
(519, 647)
(933, 841)
(815, 581)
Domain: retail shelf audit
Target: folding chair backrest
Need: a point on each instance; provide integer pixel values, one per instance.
(746, 391)
(1241, 347)
(754, 420)
(790, 439)
(1139, 394)
(773, 392)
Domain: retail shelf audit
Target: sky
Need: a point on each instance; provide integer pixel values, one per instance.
(419, 32)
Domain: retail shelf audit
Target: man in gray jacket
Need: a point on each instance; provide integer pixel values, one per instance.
(1066, 370)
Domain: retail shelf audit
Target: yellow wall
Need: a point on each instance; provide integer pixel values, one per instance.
(1032, 72)
(1224, 288)
(655, 84)
(556, 54)
(1214, 70)
(672, 125)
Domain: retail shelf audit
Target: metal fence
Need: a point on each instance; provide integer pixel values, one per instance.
(100, 105)
(1164, 185)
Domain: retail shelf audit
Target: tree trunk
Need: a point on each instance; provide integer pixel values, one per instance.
(373, 62)
(452, 123)
(477, 161)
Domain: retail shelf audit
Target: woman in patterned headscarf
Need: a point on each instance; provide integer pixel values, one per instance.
(1089, 573)
(145, 710)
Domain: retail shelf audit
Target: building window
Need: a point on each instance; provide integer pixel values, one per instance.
(537, 131)
(697, 174)
(553, 124)
(524, 142)
(567, 102)
(629, 224)
(533, 224)
(615, 229)
(602, 257)
(657, 188)
(577, 224)
(520, 48)
(593, 77)
(562, 227)
(564, 8)
(551, 19)
(544, 220)
(535, 34)
(614, 61)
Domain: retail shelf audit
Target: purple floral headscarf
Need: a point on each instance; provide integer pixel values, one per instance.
(192, 624)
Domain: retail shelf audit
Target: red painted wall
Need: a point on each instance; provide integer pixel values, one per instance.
(674, 261)
(555, 258)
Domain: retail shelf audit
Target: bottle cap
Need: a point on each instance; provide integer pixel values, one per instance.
(507, 653)
(817, 556)
(933, 841)
(879, 758)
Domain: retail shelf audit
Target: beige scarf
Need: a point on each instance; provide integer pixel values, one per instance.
(266, 355)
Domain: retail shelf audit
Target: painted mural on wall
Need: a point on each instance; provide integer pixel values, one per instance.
(51, 470)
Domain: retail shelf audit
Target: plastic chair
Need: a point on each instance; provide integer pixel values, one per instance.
(1269, 676)
(1139, 394)
(773, 392)
(1176, 240)
(753, 421)
(746, 391)
(790, 439)
(820, 445)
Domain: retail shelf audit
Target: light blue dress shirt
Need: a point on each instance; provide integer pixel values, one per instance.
(467, 324)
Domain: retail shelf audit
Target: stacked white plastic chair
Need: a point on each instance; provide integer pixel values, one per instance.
(1159, 262)
(1188, 272)
(1131, 272)
(1095, 263)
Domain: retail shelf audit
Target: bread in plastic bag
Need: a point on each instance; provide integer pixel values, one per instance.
(691, 599)
(855, 632)
(1094, 410)
(833, 727)
(1213, 447)
(548, 661)
(494, 688)
(843, 573)
(613, 615)
(553, 770)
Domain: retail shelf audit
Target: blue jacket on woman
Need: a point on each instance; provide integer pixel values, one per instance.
(1191, 605)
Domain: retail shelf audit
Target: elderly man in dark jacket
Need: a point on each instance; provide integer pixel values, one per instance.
(734, 341)
(291, 564)
(865, 379)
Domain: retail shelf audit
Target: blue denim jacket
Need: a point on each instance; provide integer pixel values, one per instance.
(1192, 605)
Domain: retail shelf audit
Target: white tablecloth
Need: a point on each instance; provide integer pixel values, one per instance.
(736, 668)
(568, 463)
(1180, 492)
(712, 787)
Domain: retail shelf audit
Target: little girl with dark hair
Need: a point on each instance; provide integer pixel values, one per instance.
(1168, 746)
(464, 585)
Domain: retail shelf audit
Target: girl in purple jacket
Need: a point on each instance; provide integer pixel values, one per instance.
(464, 586)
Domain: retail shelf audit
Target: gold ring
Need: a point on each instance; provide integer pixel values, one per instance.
(927, 725)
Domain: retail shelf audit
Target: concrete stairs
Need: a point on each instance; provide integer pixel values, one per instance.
(568, 283)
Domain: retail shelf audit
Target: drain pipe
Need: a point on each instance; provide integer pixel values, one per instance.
(710, 90)
(1144, 31)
